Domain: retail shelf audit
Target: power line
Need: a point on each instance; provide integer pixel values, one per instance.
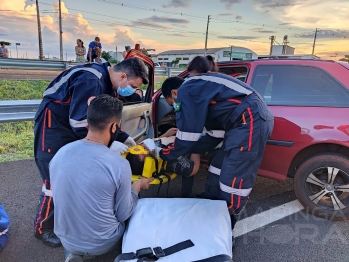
(202, 18)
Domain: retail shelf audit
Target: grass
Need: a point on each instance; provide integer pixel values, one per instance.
(17, 139)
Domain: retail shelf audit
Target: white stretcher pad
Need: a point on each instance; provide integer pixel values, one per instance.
(164, 222)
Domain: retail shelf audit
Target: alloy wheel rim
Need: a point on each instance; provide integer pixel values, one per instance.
(328, 188)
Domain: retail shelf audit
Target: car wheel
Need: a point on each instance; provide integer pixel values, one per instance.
(322, 186)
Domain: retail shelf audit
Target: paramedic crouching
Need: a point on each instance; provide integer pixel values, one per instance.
(91, 186)
(245, 123)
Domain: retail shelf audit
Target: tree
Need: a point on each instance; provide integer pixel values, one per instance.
(113, 61)
(175, 62)
(6, 43)
(106, 56)
(345, 59)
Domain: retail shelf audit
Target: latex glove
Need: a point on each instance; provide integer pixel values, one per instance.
(118, 147)
(150, 145)
(130, 142)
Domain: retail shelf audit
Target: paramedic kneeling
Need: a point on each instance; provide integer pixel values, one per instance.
(91, 186)
(244, 119)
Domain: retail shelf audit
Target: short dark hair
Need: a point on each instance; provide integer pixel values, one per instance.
(134, 68)
(171, 83)
(97, 38)
(213, 64)
(199, 65)
(102, 111)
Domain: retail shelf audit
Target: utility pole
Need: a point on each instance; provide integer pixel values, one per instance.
(41, 52)
(60, 31)
(316, 31)
(208, 22)
(272, 39)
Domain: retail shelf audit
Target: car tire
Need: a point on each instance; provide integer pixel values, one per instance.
(321, 185)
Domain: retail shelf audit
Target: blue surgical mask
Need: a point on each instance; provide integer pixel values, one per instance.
(126, 91)
(174, 105)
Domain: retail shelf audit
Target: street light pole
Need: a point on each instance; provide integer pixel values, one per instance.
(316, 31)
(60, 31)
(41, 52)
(208, 22)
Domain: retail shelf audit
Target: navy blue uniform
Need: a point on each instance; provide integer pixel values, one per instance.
(239, 115)
(61, 119)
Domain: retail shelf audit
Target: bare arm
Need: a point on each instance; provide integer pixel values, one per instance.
(90, 55)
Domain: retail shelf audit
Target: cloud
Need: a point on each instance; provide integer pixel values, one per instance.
(241, 37)
(344, 34)
(230, 3)
(231, 15)
(266, 4)
(179, 35)
(178, 3)
(20, 26)
(263, 30)
(159, 22)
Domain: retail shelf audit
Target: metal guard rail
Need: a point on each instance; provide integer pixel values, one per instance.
(60, 66)
(18, 110)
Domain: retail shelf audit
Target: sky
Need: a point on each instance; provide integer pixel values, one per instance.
(177, 24)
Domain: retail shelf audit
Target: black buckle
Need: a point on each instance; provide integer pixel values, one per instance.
(144, 253)
(159, 252)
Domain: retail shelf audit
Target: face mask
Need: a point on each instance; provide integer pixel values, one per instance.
(126, 91)
(174, 105)
(113, 136)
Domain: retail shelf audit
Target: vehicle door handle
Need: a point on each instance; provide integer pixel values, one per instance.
(141, 131)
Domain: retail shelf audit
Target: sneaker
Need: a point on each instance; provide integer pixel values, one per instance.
(74, 258)
(182, 166)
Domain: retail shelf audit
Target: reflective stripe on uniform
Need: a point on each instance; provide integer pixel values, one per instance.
(230, 190)
(222, 81)
(187, 136)
(46, 191)
(214, 170)
(216, 133)
(65, 78)
(76, 123)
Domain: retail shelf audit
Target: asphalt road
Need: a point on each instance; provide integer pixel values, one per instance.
(297, 237)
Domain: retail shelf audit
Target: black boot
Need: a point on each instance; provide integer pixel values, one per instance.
(49, 239)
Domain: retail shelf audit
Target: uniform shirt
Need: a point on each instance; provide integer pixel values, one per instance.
(91, 188)
(93, 45)
(209, 100)
(73, 88)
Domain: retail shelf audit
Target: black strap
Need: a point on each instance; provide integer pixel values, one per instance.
(158, 252)
(219, 258)
(178, 247)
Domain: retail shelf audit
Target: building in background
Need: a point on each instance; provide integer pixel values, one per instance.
(220, 54)
(286, 51)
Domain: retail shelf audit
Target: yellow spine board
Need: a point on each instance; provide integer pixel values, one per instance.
(149, 165)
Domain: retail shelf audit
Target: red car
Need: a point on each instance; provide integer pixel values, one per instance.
(310, 140)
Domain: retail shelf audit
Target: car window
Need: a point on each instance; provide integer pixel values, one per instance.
(299, 86)
(238, 72)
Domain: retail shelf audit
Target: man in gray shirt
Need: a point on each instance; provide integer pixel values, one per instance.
(91, 186)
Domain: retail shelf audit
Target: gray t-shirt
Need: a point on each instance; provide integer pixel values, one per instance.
(91, 187)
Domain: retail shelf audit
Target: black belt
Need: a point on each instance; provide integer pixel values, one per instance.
(149, 254)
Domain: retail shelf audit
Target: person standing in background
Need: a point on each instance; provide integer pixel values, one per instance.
(3, 50)
(94, 50)
(80, 51)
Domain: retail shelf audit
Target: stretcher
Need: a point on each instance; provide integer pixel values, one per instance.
(178, 230)
(153, 167)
